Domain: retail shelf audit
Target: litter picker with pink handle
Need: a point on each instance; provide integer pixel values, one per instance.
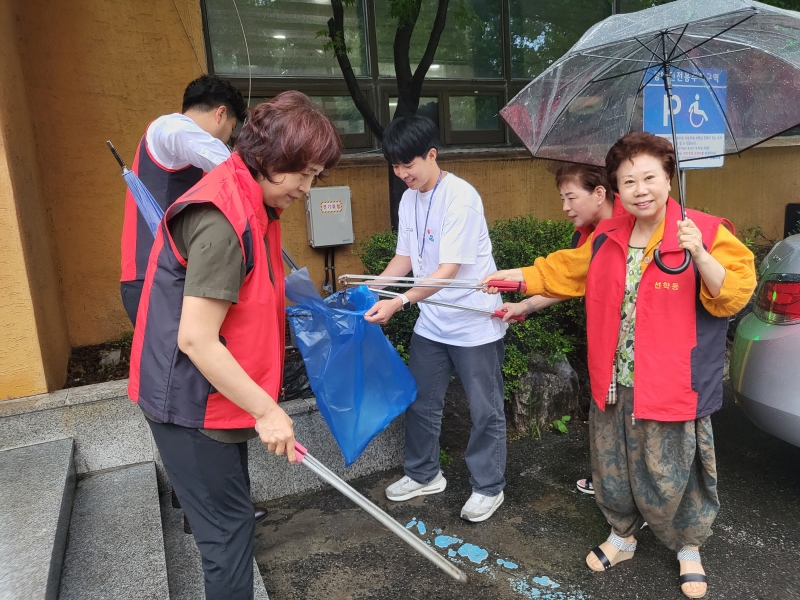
(304, 458)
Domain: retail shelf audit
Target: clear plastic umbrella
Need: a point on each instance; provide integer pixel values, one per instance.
(594, 94)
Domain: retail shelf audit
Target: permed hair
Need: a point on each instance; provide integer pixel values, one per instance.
(587, 177)
(407, 138)
(636, 144)
(209, 93)
(287, 134)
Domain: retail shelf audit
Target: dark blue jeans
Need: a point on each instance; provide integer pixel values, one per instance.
(480, 370)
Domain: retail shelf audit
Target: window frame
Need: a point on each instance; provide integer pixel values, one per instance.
(378, 89)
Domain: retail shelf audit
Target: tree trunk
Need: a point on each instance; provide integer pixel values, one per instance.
(409, 85)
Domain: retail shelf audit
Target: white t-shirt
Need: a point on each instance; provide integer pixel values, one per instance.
(176, 142)
(456, 232)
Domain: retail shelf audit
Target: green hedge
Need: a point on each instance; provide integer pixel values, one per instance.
(553, 332)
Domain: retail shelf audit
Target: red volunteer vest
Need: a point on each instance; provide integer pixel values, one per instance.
(679, 348)
(582, 233)
(166, 186)
(164, 382)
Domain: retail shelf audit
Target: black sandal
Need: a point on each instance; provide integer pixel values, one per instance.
(626, 550)
(691, 554)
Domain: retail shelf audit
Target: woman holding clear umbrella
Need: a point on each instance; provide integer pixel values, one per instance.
(656, 354)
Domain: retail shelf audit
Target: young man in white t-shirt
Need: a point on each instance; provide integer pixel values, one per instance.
(442, 233)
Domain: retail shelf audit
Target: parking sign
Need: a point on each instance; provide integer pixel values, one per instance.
(698, 110)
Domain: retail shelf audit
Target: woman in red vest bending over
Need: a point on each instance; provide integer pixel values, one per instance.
(652, 448)
(207, 355)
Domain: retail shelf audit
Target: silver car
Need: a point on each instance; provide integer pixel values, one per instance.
(765, 362)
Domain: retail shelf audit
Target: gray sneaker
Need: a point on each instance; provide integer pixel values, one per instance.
(479, 507)
(407, 488)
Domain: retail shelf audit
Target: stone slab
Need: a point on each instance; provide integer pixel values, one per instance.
(108, 433)
(37, 484)
(68, 397)
(272, 477)
(116, 547)
(184, 569)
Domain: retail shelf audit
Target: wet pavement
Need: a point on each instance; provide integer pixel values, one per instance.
(320, 546)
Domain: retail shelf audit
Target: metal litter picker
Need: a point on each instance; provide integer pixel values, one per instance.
(304, 458)
(409, 282)
(499, 314)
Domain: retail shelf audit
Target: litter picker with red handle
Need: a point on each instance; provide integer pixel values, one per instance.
(499, 314)
(476, 284)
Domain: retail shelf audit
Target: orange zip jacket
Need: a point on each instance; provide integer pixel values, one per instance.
(680, 329)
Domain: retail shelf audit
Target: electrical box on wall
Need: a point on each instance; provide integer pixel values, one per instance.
(329, 220)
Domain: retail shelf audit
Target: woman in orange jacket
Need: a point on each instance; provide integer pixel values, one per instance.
(587, 199)
(652, 446)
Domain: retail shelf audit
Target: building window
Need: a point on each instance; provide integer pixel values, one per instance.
(281, 37)
(489, 51)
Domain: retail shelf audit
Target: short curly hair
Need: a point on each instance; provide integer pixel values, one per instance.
(286, 134)
(636, 144)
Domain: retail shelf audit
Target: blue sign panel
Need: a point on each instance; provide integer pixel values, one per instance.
(698, 107)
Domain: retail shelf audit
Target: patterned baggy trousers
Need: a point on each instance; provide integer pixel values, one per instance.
(659, 472)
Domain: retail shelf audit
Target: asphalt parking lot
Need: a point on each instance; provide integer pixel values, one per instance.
(320, 546)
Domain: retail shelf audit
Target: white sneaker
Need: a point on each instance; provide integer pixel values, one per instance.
(407, 488)
(479, 507)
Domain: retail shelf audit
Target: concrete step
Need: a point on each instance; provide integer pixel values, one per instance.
(115, 547)
(37, 484)
(184, 568)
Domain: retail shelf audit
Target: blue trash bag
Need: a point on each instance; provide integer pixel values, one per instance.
(360, 381)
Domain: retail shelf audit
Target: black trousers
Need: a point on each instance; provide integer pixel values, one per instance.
(211, 481)
(131, 292)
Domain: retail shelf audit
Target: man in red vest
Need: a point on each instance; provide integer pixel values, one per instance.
(175, 152)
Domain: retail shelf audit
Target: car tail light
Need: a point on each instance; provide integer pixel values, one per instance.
(779, 302)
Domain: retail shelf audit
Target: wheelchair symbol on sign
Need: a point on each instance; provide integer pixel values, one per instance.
(694, 109)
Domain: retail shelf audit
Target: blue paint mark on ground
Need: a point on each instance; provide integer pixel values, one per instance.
(521, 587)
(545, 581)
(444, 541)
(529, 588)
(475, 553)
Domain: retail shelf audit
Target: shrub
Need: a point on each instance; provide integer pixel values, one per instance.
(554, 332)
(375, 253)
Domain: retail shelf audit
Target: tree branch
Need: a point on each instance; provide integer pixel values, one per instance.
(430, 50)
(407, 102)
(336, 34)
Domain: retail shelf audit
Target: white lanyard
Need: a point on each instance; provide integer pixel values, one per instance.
(421, 246)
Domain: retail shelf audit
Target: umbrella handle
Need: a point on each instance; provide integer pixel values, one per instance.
(116, 155)
(687, 258)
